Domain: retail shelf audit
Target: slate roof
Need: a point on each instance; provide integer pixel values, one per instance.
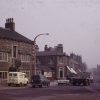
(13, 35)
(49, 53)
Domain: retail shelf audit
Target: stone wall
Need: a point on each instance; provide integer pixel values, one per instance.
(22, 48)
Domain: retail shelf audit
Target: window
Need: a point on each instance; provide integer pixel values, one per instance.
(14, 74)
(3, 74)
(0, 75)
(51, 62)
(38, 62)
(61, 60)
(14, 51)
(25, 58)
(27, 73)
(10, 74)
(3, 56)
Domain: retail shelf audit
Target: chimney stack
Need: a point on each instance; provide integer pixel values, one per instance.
(10, 24)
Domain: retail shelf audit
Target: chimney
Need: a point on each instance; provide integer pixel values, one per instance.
(60, 48)
(46, 48)
(10, 24)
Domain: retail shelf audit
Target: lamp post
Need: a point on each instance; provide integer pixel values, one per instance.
(34, 41)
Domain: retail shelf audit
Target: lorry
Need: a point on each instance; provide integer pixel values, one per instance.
(83, 79)
(77, 81)
(17, 79)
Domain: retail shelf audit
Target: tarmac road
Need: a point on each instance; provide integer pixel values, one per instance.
(54, 92)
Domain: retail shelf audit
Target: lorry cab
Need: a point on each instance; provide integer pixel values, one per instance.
(17, 78)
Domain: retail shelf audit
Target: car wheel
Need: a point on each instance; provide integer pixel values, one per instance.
(25, 84)
(9, 84)
(48, 85)
(59, 84)
(41, 85)
(20, 84)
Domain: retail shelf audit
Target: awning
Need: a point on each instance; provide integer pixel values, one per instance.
(79, 70)
(71, 70)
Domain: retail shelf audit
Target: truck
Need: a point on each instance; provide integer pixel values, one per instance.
(17, 79)
(77, 81)
(84, 79)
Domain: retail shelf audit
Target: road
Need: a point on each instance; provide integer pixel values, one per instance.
(51, 93)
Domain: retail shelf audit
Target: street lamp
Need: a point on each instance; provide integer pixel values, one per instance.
(34, 41)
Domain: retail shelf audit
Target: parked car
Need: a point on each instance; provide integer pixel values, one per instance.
(40, 81)
(63, 81)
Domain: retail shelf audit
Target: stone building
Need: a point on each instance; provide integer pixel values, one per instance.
(76, 67)
(52, 60)
(98, 68)
(56, 62)
(15, 51)
(77, 63)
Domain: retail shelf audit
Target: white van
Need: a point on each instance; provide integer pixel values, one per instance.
(17, 78)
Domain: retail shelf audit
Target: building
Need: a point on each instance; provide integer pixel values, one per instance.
(75, 61)
(75, 67)
(52, 61)
(96, 73)
(16, 51)
(98, 68)
(59, 65)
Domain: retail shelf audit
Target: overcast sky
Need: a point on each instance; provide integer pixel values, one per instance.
(73, 23)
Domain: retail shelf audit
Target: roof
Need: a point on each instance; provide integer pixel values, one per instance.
(44, 68)
(49, 53)
(13, 35)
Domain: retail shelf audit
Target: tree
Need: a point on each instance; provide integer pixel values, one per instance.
(17, 63)
(12, 69)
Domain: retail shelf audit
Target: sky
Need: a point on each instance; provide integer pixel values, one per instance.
(73, 23)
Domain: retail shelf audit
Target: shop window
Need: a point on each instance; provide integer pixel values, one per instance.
(3, 74)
